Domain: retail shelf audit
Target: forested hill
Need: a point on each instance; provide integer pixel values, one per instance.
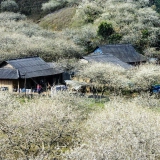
(29, 7)
(70, 28)
(34, 6)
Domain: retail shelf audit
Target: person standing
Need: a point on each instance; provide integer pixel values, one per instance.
(39, 88)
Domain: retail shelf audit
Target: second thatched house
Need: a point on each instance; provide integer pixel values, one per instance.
(123, 55)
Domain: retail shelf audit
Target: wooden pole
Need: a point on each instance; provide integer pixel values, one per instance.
(25, 84)
(18, 86)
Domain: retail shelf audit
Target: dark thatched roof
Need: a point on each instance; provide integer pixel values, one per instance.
(57, 69)
(7, 73)
(32, 67)
(107, 58)
(124, 52)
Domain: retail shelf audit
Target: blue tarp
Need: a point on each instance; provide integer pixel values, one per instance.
(156, 88)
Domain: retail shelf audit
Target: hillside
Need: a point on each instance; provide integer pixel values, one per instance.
(116, 116)
(71, 28)
(134, 22)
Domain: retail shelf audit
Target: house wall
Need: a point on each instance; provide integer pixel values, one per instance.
(7, 83)
(6, 65)
(31, 83)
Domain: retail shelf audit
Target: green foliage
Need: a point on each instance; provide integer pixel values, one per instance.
(31, 8)
(115, 38)
(145, 33)
(157, 3)
(105, 30)
(9, 5)
(143, 42)
(130, 20)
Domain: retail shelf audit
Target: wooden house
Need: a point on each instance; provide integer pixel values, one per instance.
(16, 74)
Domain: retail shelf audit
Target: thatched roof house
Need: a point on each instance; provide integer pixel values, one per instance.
(14, 73)
(107, 58)
(124, 52)
(123, 55)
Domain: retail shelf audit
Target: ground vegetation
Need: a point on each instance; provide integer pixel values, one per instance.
(71, 127)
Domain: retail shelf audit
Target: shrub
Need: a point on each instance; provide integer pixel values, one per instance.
(9, 5)
(102, 75)
(53, 5)
(115, 38)
(87, 12)
(91, 12)
(136, 79)
(145, 33)
(73, 2)
(105, 30)
(7, 16)
(144, 76)
(157, 3)
(85, 37)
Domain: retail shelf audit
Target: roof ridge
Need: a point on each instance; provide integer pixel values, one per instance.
(9, 68)
(23, 58)
(116, 44)
(95, 54)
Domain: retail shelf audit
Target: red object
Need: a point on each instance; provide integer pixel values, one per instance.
(39, 87)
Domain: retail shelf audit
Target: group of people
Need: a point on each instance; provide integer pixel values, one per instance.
(40, 88)
(53, 89)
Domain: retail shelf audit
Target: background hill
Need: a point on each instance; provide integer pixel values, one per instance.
(64, 29)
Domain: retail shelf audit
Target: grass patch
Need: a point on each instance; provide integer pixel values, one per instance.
(156, 109)
(58, 20)
(98, 102)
